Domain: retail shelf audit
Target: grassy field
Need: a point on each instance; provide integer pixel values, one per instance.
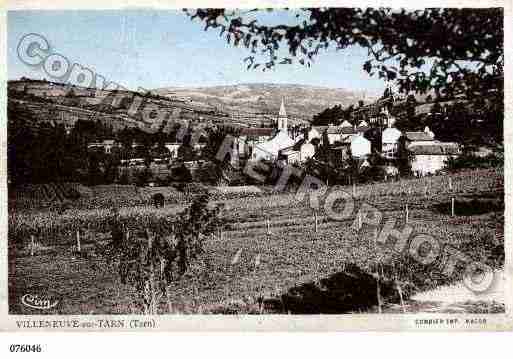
(294, 269)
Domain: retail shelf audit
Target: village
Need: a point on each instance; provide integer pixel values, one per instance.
(345, 147)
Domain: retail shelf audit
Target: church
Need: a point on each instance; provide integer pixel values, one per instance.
(270, 149)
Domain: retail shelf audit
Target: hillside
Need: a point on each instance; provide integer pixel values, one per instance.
(301, 101)
(42, 101)
(250, 104)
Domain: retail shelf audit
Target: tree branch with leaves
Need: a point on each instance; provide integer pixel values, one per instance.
(445, 49)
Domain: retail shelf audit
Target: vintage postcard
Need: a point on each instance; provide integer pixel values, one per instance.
(273, 166)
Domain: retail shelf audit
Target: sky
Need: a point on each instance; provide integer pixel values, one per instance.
(164, 48)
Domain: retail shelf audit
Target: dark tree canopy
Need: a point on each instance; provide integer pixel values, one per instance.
(449, 50)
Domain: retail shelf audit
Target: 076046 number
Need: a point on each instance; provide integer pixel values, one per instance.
(25, 348)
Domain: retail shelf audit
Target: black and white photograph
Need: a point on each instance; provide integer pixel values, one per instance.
(259, 162)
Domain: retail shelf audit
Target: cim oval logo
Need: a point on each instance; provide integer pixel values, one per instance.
(37, 302)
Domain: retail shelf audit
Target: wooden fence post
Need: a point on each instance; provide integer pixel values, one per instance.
(268, 223)
(150, 244)
(78, 241)
(354, 189)
(452, 206)
(407, 213)
(31, 244)
(162, 267)
(450, 183)
(359, 220)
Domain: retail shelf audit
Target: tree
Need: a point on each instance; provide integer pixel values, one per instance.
(186, 152)
(421, 50)
(70, 93)
(215, 138)
(150, 266)
(331, 115)
(436, 109)
(411, 103)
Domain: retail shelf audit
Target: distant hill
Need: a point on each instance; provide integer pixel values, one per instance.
(301, 101)
(250, 104)
(43, 101)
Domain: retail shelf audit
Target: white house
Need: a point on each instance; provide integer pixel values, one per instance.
(390, 142)
(362, 127)
(420, 138)
(312, 133)
(106, 146)
(333, 134)
(360, 146)
(430, 158)
(307, 150)
(290, 155)
(345, 124)
(248, 137)
(299, 153)
(173, 148)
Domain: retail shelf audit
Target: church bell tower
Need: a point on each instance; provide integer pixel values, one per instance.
(282, 118)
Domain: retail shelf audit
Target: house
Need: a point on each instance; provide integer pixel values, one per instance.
(430, 158)
(346, 124)
(362, 127)
(242, 139)
(105, 146)
(360, 147)
(356, 144)
(248, 137)
(346, 130)
(337, 133)
(290, 155)
(173, 148)
(299, 153)
(342, 152)
(333, 134)
(320, 130)
(420, 138)
(390, 142)
(313, 133)
(387, 119)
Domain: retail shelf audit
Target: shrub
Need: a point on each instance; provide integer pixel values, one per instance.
(469, 160)
(167, 250)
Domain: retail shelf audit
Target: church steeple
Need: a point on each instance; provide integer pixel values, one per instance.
(282, 117)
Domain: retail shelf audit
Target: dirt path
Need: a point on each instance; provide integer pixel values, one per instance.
(457, 298)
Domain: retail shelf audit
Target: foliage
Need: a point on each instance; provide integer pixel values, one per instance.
(469, 160)
(166, 252)
(421, 49)
(332, 115)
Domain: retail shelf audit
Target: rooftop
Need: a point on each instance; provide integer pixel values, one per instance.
(418, 136)
(437, 148)
(256, 131)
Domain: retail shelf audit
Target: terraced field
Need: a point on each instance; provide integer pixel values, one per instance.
(250, 268)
